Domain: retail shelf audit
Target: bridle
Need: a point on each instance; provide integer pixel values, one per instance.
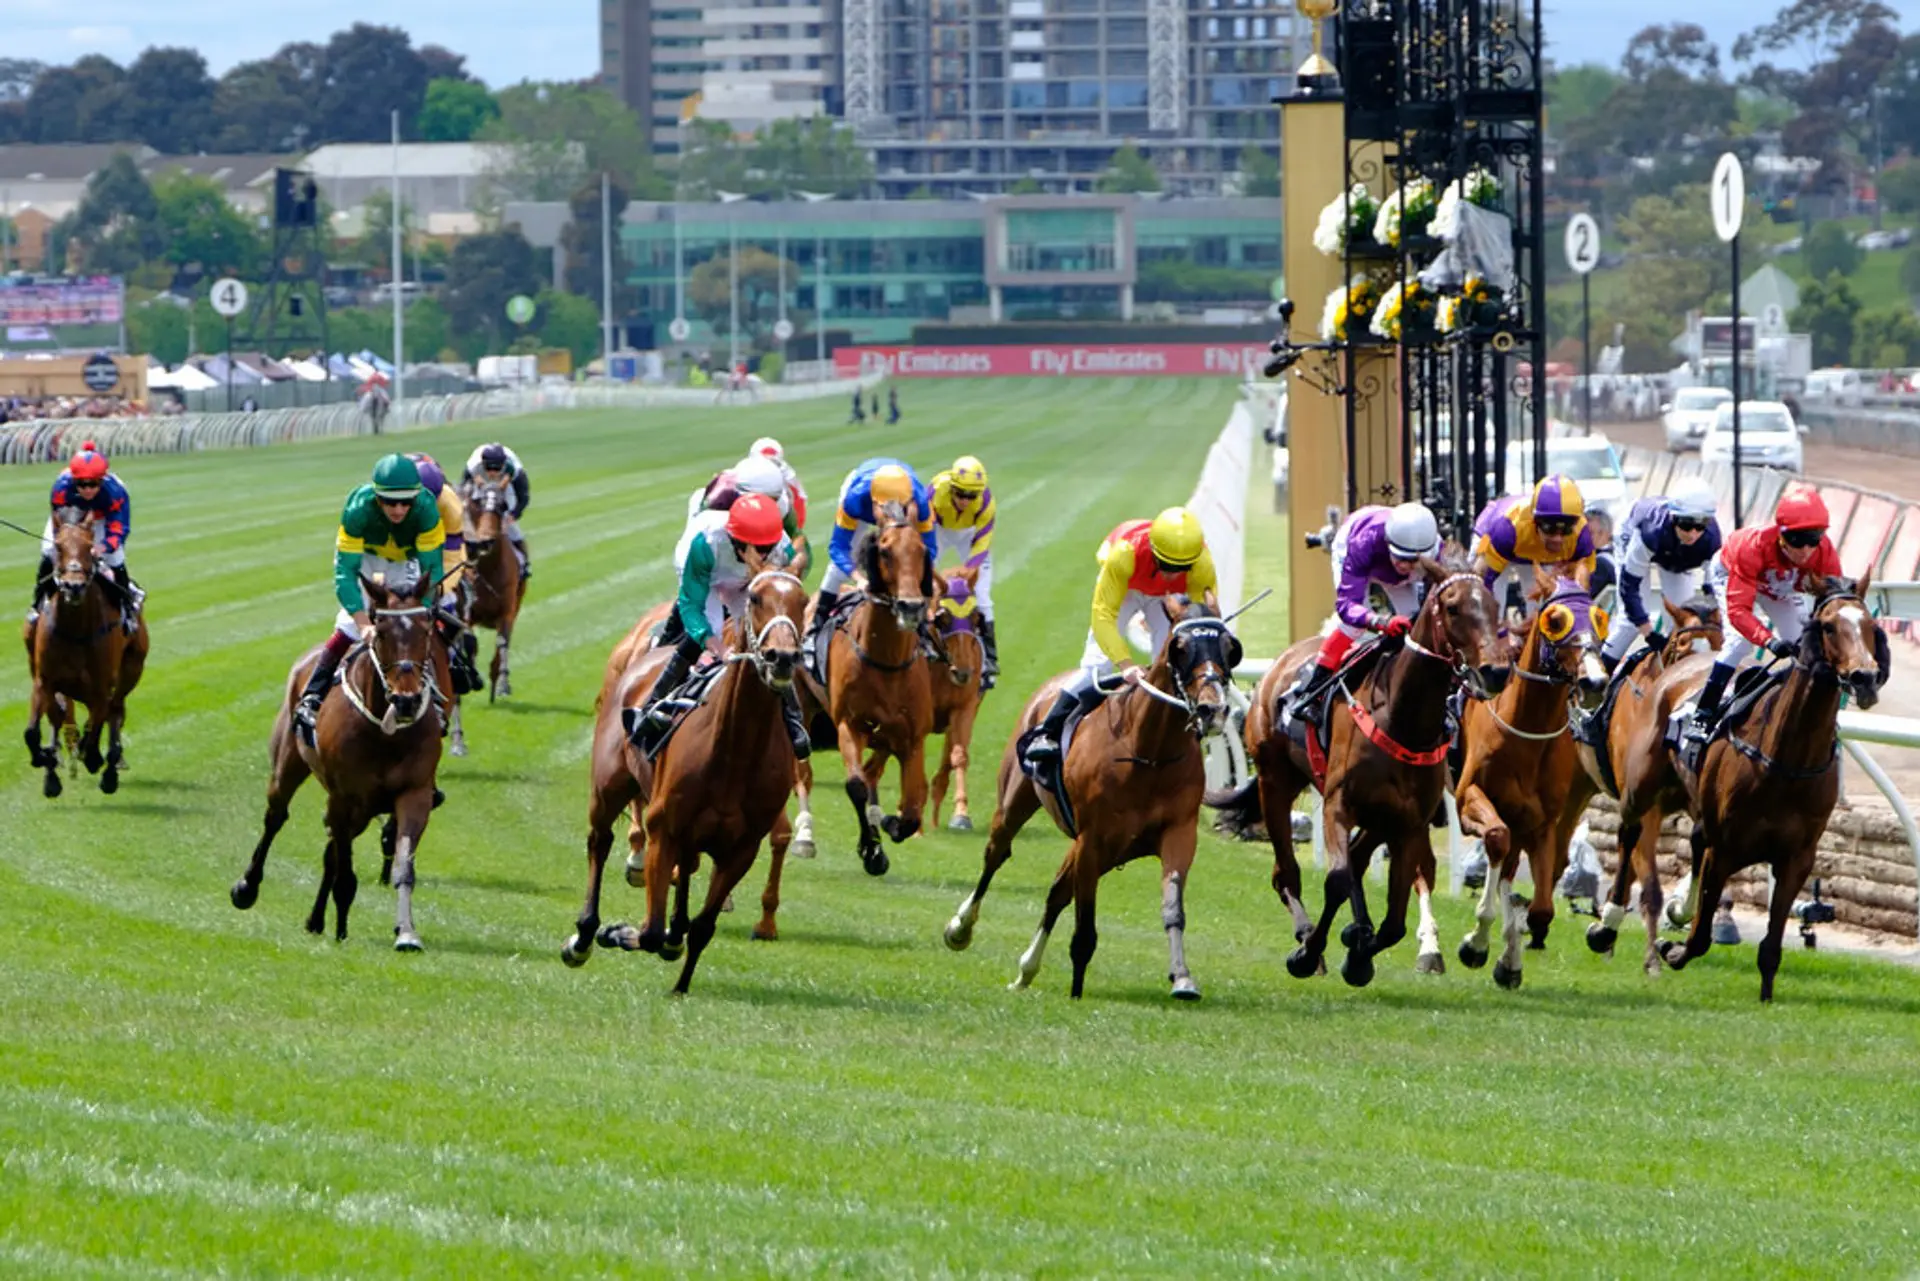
(1212, 628)
(391, 722)
(756, 639)
(1813, 660)
(1462, 674)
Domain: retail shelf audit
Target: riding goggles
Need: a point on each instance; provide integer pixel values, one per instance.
(1689, 525)
(1555, 526)
(1802, 537)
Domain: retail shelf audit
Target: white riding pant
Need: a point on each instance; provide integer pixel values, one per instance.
(1676, 586)
(1094, 661)
(115, 558)
(959, 543)
(1402, 598)
(1787, 614)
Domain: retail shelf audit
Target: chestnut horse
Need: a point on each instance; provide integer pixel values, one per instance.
(497, 587)
(879, 691)
(734, 745)
(377, 749)
(1697, 629)
(78, 653)
(955, 681)
(1383, 782)
(1521, 763)
(1766, 788)
(1134, 777)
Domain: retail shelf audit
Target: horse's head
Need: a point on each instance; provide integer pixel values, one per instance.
(486, 506)
(899, 571)
(402, 648)
(1201, 655)
(73, 559)
(776, 608)
(1460, 623)
(1846, 640)
(1567, 630)
(1697, 628)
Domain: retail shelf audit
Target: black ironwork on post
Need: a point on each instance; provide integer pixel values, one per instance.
(288, 311)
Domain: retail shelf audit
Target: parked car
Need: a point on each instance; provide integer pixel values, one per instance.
(1690, 414)
(1768, 437)
(1836, 386)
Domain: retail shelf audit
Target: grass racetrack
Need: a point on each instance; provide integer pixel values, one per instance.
(187, 1090)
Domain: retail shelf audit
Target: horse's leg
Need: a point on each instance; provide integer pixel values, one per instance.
(456, 732)
(636, 845)
(1086, 889)
(937, 785)
(1709, 881)
(1546, 861)
(289, 772)
(1278, 791)
(1403, 863)
(728, 868)
(1685, 903)
(329, 865)
(503, 639)
(1646, 865)
(1430, 959)
(853, 746)
(410, 813)
(1176, 861)
(1605, 932)
(1059, 894)
(913, 794)
(1479, 818)
(662, 854)
(803, 846)
(116, 721)
(345, 882)
(778, 840)
(1018, 803)
(1306, 960)
(90, 755)
(874, 771)
(959, 755)
(47, 758)
(683, 873)
(611, 797)
(1357, 938)
(1788, 878)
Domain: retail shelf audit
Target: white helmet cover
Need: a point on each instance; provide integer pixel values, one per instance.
(1411, 530)
(1692, 496)
(759, 474)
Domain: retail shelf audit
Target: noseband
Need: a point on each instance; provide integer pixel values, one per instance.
(434, 696)
(756, 640)
(1214, 626)
(1456, 664)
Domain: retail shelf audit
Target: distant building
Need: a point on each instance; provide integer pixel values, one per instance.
(247, 179)
(435, 177)
(51, 177)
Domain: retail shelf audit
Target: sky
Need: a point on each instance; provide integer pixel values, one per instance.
(510, 40)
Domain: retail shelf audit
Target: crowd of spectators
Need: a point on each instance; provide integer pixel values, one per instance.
(18, 409)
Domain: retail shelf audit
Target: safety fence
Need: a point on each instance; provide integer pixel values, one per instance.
(54, 439)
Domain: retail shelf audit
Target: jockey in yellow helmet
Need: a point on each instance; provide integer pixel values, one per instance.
(963, 515)
(867, 488)
(1545, 527)
(1140, 560)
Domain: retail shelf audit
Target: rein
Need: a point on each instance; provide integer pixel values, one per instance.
(757, 640)
(1181, 701)
(366, 646)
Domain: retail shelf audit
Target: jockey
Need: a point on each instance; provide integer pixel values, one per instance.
(1375, 545)
(393, 520)
(453, 519)
(90, 485)
(710, 562)
(755, 474)
(867, 487)
(1769, 566)
(1139, 561)
(1546, 527)
(963, 512)
(768, 447)
(494, 463)
(1678, 535)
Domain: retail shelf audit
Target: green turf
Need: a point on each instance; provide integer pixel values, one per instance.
(186, 1090)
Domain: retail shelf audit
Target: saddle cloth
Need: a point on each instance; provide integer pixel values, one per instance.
(1051, 777)
(691, 694)
(1750, 685)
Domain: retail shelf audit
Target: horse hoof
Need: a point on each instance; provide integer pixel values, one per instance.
(1674, 954)
(876, 863)
(1430, 963)
(958, 934)
(93, 761)
(316, 924)
(51, 788)
(637, 871)
(673, 950)
(459, 747)
(1506, 978)
(110, 781)
(1600, 939)
(960, 823)
(439, 798)
(728, 905)
(1185, 989)
(1538, 943)
(1302, 964)
(243, 894)
(1355, 935)
(801, 849)
(766, 932)
(406, 941)
(573, 954)
(1470, 956)
(1357, 969)
(620, 935)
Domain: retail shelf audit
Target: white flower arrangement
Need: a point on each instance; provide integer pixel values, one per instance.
(1447, 320)
(1479, 187)
(1413, 204)
(1360, 297)
(1389, 318)
(1346, 216)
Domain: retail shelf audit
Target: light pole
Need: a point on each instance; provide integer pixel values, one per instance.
(819, 286)
(733, 278)
(606, 274)
(397, 276)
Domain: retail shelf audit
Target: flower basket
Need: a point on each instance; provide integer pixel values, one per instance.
(1477, 308)
(1405, 313)
(1347, 223)
(1360, 297)
(1480, 187)
(1408, 212)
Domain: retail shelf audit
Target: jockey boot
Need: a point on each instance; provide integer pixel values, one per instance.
(42, 588)
(1706, 709)
(131, 599)
(1302, 701)
(796, 724)
(990, 669)
(526, 561)
(651, 715)
(822, 608)
(1045, 747)
(319, 681)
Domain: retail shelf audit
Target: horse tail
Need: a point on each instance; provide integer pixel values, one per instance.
(1239, 807)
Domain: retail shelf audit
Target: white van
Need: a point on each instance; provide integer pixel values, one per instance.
(1836, 386)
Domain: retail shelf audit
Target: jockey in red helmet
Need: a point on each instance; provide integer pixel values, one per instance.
(89, 485)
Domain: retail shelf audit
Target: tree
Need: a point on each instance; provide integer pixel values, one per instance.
(761, 278)
(572, 322)
(1259, 171)
(1829, 249)
(580, 245)
(160, 328)
(169, 101)
(814, 155)
(443, 64)
(482, 274)
(17, 76)
(1672, 98)
(1836, 52)
(454, 110)
(429, 330)
(269, 105)
(1886, 339)
(1128, 171)
(1826, 312)
(1579, 92)
(1899, 107)
(1910, 272)
(373, 247)
(80, 103)
(1675, 263)
(1899, 187)
(117, 221)
(1027, 186)
(552, 136)
(200, 229)
(369, 71)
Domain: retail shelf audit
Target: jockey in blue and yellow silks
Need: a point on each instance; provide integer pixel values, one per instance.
(963, 516)
(89, 485)
(868, 487)
(1545, 527)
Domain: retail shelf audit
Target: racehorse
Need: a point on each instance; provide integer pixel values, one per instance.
(955, 681)
(1766, 786)
(376, 751)
(497, 587)
(374, 404)
(78, 653)
(1376, 789)
(1133, 776)
(1521, 763)
(733, 745)
(1697, 629)
(879, 691)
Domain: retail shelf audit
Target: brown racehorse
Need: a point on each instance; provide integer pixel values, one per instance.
(734, 745)
(1381, 788)
(1697, 629)
(1764, 791)
(1521, 763)
(493, 570)
(1134, 778)
(79, 654)
(955, 682)
(377, 750)
(879, 693)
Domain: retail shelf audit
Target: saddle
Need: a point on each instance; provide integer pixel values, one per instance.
(1051, 777)
(823, 634)
(1593, 729)
(682, 701)
(1352, 670)
(1750, 685)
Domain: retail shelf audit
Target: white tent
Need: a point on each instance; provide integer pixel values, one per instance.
(185, 378)
(306, 371)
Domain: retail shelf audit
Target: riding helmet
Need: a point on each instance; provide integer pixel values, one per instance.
(493, 457)
(891, 484)
(89, 463)
(1693, 497)
(1557, 496)
(754, 519)
(1801, 508)
(969, 473)
(1411, 531)
(759, 474)
(768, 447)
(1176, 537)
(396, 477)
